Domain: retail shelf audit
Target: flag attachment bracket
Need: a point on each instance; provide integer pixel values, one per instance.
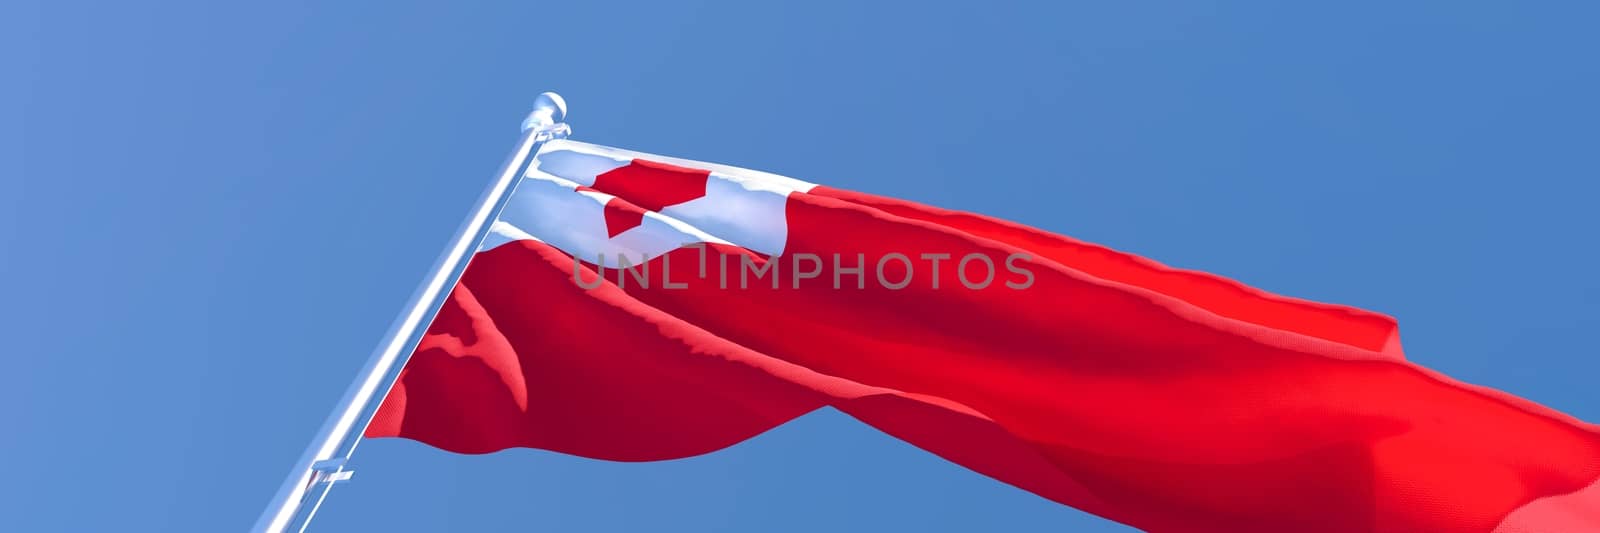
(331, 471)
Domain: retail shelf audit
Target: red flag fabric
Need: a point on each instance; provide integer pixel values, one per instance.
(1166, 399)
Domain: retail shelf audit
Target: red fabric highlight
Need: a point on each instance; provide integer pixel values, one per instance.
(1348, 325)
(1169, 400)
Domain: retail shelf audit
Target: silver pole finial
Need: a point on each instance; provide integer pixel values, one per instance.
(549, 110)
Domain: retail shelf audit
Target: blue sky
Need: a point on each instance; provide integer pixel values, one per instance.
(209, 214)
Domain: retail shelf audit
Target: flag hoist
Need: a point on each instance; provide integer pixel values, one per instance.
(324, 463)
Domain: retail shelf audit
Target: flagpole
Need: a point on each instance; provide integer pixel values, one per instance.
(324, 462)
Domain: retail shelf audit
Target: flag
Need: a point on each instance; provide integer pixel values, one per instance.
(633, 307)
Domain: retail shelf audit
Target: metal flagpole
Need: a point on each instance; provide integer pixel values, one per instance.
(323, 463)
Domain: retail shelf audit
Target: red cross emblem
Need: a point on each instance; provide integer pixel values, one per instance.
(642, 186)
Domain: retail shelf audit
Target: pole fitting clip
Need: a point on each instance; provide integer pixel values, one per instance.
(331, 471)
